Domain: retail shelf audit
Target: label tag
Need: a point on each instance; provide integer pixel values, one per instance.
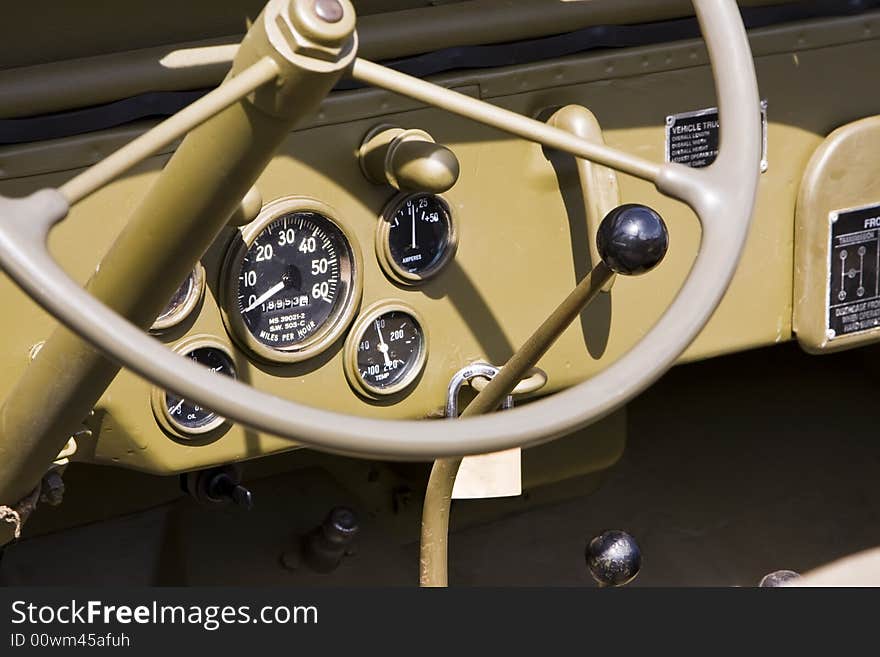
(853, 272)
(693, 138)
(489, 476)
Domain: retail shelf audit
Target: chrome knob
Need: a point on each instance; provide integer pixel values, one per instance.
(614, 558)
(778, 578)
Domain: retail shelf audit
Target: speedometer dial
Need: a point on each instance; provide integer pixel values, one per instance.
(290, 279)
(292, 283)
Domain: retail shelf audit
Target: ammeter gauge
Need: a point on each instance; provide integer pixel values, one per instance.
(292, 283)
(185, 418)
(386, 350)
(416, 238)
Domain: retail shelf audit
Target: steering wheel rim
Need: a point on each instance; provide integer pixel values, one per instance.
(722, 195)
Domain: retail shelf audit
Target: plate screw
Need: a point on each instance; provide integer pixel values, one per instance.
(329, 10)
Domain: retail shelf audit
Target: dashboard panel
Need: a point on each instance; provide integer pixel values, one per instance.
(520, 236)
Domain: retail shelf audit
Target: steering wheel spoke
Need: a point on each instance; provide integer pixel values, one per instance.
(701, 189)
(502, 119)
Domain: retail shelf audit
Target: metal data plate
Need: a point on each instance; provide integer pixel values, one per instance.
(693, 138)
(853, 272)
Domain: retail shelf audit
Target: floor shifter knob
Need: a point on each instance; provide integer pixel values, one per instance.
(614, 558)
(778, 579)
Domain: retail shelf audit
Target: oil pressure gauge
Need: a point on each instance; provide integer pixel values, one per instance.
(292, 283)
(185, 418)
(416, 238)
(386, 350)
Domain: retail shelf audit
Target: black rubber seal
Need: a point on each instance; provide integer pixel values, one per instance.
(166, 103)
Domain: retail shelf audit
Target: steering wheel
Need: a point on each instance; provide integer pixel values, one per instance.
(722, 195)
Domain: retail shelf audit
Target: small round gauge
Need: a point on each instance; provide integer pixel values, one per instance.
(186, 418)
(292, 283)
(416, 237)
(386, 350)
(184, 301)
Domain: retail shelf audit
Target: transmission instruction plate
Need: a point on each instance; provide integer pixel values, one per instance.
(853, 272)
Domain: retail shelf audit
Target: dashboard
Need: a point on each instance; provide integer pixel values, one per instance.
(345, 293)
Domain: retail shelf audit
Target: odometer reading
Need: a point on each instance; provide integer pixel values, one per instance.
(387, 350)
(293, 285)
(416, 237)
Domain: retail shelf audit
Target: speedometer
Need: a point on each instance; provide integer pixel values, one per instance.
(292, 282)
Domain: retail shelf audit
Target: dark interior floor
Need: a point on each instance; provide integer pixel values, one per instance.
(734, 467)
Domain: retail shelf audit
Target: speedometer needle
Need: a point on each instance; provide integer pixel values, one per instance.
(383, 347)
(268, 294)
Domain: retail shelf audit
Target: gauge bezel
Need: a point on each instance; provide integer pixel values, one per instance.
(383, 241)
(336, 324)
(158, 395)
(371, 314)
(176, 317)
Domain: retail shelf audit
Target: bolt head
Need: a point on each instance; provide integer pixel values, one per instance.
(343, 520)
(301, 26)
(330, 11)
(52, 492)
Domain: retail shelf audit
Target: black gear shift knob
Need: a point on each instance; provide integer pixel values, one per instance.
(632, 240)
(614, 558)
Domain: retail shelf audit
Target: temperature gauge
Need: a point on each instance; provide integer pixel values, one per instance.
(416, 238)
(185, 418)
(386, 350)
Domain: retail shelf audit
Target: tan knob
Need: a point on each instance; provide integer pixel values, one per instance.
(408, 160)
(599, 187)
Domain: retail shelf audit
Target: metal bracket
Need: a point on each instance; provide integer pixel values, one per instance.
(489, 475)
